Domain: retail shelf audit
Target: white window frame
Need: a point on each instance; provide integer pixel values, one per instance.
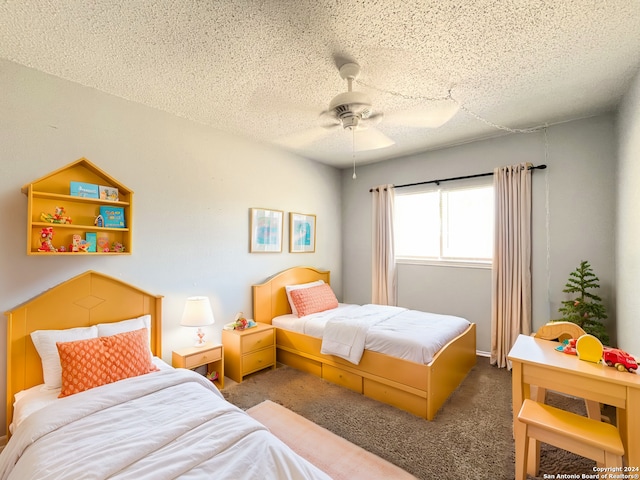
(443, 261)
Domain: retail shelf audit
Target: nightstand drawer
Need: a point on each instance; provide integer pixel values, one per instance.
(257, 360)
(198, 359)
(257, 340)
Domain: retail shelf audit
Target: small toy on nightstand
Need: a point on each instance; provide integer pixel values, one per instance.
(213, 376)
(241, 323)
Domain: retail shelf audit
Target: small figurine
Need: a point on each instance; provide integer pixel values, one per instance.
(117, 247)
(57, 217)
(240, 322)
(79, 245)
(46, 237)
(99, 222)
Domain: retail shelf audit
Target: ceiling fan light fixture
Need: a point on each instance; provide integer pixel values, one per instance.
(357, 102)
(350, 122)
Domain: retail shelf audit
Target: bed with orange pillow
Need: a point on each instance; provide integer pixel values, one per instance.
(88, 396)
(382, 352)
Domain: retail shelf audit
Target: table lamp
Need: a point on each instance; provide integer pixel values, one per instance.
(197, 313)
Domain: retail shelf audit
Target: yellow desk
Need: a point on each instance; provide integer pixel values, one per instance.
(536, 362)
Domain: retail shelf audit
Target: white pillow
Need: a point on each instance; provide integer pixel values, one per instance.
(288, 289)
(45, 343)
(124, 326)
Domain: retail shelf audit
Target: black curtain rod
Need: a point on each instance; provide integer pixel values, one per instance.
(437, 182)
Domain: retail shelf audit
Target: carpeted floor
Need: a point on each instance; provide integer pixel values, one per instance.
(470, 438)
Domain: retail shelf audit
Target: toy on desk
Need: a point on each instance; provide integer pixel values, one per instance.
(57, 217)
(619, 359)
(591, 351)
(589, 348)
(568, 346)
(46, 237)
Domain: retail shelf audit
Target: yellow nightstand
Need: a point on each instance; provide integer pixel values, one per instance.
(193, 357)
(247, 351)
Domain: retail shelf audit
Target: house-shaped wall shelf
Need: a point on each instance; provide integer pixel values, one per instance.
(85, 233)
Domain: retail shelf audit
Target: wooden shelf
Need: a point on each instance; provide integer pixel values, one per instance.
(53, 190)
(76, 227)
(64, 198)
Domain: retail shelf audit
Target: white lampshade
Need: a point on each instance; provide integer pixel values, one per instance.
(197, 313)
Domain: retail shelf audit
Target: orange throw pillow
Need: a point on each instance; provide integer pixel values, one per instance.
(314, 299)
(90, 363)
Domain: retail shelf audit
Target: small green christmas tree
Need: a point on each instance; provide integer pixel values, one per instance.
(586, 310)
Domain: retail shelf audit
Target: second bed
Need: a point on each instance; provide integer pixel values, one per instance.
(405, 375)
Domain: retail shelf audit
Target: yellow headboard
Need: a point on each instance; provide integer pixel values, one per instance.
(270, 298)
(87, 299)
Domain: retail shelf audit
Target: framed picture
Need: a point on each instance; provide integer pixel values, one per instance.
(266, 230)
(302, 233)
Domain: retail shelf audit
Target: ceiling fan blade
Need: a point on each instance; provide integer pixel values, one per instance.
(373, 119)
(432, 115)
(303, 138)
(371, 139)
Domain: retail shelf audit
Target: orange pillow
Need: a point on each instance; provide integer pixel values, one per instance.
(97, 361)
(314, 299)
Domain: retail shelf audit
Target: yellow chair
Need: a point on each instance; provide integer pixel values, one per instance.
(583, 436)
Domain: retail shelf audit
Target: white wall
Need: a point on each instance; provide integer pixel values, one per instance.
(193, 188)
(573, 220)
(628, 221)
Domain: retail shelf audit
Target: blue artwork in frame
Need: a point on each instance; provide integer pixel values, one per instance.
(302, 233)
(266, 230)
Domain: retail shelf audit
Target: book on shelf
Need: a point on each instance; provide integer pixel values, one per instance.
(83, 189)
(103, 244)
(92, 240)
(108, 193)
(113, 216)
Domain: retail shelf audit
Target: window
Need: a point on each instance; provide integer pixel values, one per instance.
(447, 224)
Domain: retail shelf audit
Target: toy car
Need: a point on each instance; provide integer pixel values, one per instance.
(614, 357)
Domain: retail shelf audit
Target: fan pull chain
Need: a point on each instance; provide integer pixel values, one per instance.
(353, 134)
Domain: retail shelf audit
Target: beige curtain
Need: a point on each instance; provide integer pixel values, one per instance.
(511, 275)
(383, 265)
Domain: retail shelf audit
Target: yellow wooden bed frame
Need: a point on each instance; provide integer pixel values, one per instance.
(416, 388)
(82, 301)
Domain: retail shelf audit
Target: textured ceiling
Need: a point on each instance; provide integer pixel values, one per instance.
(266, 69)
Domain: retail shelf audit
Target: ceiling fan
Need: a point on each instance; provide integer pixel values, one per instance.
(353, 111)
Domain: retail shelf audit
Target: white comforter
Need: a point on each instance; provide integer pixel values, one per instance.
(163, 425)
(349, 329)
